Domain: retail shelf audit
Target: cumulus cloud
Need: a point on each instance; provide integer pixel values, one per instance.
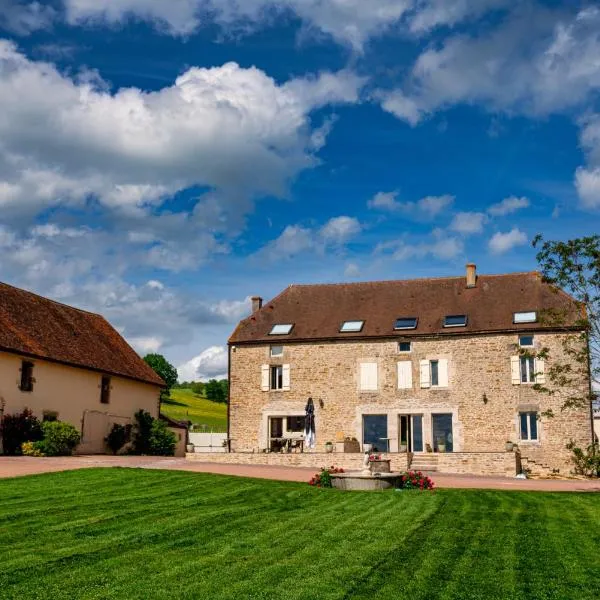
(209, 364)
(442, 248)
(23, 18)
(552, 66)
(503, 242)
(296, 239)
(429, 206)
(508, 206)
(468, 222)
(352, 271)
(587, 179)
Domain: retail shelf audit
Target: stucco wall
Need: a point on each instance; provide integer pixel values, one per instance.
(477, 365)
(75, 395)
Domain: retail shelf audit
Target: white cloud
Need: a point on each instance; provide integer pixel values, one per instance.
(468, 222)
(352, 271)
(442, 248)
(503, 242)
(340, 229)
(296, 239)
(508, 206)
(23, 18)
(209, 364)
(537, 62)
(228, 128)
(429, 206)
(587, 182)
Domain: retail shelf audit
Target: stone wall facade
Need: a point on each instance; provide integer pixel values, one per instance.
(480, 395)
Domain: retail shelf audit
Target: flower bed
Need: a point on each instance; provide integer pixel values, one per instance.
(415, 480)
(323, 478)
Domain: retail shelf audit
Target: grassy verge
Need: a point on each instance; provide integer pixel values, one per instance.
(139, 534)
(184, 405)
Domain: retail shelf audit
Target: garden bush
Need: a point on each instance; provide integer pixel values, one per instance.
(415, 480)
(143, 430)
(323, 478)
(587, 462)
(119, 435)
(18, 429)
(60, 439)
(31, 449)
(162, 439)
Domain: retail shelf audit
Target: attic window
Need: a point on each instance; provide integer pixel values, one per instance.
(281, 329)
(406, 323)
(351, 326)
(455, 321)
(525, 317)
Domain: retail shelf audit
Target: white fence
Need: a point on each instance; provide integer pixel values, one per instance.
(208, 442)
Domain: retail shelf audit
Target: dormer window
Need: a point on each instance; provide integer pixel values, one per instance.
(525, 317)
(281, 329)
(406, 323)
(351, 326)
(455, 321)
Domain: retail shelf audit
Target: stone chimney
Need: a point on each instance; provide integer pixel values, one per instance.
(471, 275)
(257, 303)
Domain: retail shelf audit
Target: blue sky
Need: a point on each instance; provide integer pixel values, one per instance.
(161, 161)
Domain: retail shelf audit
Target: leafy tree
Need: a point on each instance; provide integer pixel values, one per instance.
(217, 390)
(165, 369)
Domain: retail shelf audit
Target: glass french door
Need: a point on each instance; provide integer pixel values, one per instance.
(375, 432)
(443, 439)
(411, 433)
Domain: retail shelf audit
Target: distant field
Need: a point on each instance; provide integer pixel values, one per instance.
(184, 405)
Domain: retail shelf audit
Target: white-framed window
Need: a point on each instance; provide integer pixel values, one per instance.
(525, 317)
(528, 426)
(455, 321)
(405, 375)
(406, 323)
(275, 378)
(404, 347)
(526, 341)
(281, 329)
(276, 351)
(368, 377)
(434, 373)
(527, 370)
(351, 326)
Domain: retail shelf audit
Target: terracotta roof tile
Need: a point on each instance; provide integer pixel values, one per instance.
(317, 311)
(39, 327)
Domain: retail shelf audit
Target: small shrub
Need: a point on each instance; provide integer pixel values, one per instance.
(60, 438)
(586, 462)
(17, 429)
(162, 440)
(415, 480)
(119, 435)
(32, 449)
(143, 431)
(323, 478)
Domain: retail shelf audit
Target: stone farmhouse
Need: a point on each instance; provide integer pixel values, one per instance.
(72, 365)
(438, 372)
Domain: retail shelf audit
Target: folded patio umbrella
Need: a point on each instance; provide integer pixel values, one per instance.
(309, 424)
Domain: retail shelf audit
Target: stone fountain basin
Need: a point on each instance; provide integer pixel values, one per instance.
(359, 481)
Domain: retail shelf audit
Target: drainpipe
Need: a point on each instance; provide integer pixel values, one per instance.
(229, 396)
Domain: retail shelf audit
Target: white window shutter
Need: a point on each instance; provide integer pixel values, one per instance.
(368, 377)
(405, 375)
(425, 375)
(540, 371)
(265, 378)
(515, 370)
(443, 373)
(286, 378)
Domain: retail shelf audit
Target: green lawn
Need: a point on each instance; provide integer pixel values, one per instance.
(139, 534)
(184, 405)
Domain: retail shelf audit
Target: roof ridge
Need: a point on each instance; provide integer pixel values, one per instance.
(378, 281)
(69, 306)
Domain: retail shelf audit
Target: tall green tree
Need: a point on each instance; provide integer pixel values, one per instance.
(165, 369)
(216, 390)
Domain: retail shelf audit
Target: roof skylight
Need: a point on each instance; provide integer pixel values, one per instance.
(455, 321)
(525, 317)
(281, 329)
(351, 326)
(406, 323)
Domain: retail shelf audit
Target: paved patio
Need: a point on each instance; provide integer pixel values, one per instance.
(19, 466)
